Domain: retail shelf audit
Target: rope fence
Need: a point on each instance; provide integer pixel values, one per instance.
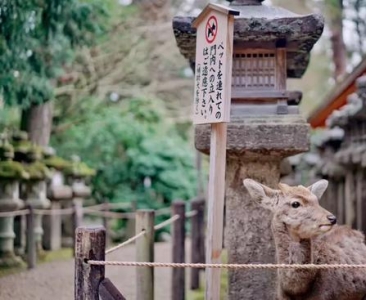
(91, 250)
(142, 233)
(223, 266)
(16, 213)
(88, 210)
(129, 241)
(75, 216)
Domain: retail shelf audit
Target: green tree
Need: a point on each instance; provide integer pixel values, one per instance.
(38, 40)
(137, 151)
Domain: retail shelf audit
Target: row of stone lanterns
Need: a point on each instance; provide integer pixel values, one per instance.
(349, 161)
(270, 45)
(34, 174)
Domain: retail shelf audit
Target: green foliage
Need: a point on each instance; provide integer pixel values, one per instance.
(129, 145)
(37, 41)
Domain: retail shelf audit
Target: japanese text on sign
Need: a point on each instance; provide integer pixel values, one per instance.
(212, 98)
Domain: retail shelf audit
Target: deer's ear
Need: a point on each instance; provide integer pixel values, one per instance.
(260, 193)
(318, 188)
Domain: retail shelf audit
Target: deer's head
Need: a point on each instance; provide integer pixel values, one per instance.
(295, 207)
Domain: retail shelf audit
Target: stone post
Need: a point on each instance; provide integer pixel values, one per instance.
(255, 149)
(57, 192)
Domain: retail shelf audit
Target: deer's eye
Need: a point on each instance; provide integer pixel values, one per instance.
(295, 204)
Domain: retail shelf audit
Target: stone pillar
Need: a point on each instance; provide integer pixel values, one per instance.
(80, 191)
(9, 201)
(57, 192)
(255, 148)
(36, 196)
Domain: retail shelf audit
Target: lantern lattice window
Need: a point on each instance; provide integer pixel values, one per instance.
(254, 71)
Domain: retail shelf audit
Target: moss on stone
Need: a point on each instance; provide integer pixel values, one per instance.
(26, 151)
(17, 136)
(13, 170)
(37, 171)
(57, 163)
(6, 151)
(79, 169)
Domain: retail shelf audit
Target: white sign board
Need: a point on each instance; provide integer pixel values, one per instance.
(214, 50)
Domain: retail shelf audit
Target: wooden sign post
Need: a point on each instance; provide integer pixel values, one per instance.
(212, 99)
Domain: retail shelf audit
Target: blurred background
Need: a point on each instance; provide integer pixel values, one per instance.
(104, 80)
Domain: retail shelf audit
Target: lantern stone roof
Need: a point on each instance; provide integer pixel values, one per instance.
(262, 26)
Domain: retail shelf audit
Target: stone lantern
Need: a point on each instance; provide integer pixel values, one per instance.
(57, 192)
(11, 173)
(270, 45)
(77, 174)
(34, 189)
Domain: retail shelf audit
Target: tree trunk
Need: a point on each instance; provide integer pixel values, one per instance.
(155, 10)
(37, 122)
(337, 40)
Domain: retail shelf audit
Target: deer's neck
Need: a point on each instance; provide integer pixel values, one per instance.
(293, 282)
(289, 249)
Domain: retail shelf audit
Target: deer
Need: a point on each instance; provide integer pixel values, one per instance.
(306, 233)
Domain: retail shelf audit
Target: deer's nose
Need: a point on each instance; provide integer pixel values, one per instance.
(332, 219)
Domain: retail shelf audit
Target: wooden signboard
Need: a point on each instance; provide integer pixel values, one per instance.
(214, 50)
(212, 99)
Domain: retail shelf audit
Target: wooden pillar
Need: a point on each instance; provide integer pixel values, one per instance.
(145, 253)
(31, 239)
(350, 198)
(105, 219)
(197, 240)
(361, 200)
(90, 245)
(332, 204)
(178, 237)
(77, 216)
(341, 201)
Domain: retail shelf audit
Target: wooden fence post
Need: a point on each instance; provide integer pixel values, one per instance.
(31, 239)
(90, 245)
(145, 253)
(105, 219)
(197, 240)
(108, 291)
(76, 217)
(178, 237)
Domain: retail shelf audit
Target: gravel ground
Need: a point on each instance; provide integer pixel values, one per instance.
(54, 281)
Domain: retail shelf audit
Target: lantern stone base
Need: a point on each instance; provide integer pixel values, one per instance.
(35, 196)
(255, 148)
(7, 257)
(10, 260)
(68, 222)
(52, 229)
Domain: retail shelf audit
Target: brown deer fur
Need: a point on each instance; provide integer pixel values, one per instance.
(305, 235)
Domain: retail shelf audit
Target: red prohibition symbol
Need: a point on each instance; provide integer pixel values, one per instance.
(211, 29)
